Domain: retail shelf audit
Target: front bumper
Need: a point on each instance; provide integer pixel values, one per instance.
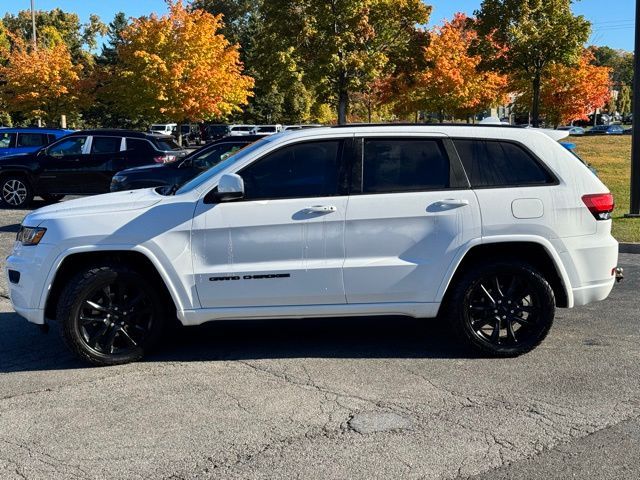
(33, 264)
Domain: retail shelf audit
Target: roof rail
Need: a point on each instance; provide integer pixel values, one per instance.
(409, 124)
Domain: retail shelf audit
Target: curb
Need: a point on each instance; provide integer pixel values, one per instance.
(629, 248)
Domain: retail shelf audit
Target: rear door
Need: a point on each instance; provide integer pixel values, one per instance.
(105, 159)
(410, 212)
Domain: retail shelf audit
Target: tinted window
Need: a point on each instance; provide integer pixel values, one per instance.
(139, 146)
(497, 164)
(167, 144)
(302, 170)
(7, 140)
(404, 165)
(68, 147)
(32, 139)
(105, 144)
(215, 155)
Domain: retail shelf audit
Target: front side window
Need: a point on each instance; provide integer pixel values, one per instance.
(105, 145)
(215, 155)
(32, 140)
(67, 147)
(295, 171)
(499, 164)
(7, 140)
(404, 165)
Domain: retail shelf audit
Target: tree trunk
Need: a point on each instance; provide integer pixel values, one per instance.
(343, 106)
(535, 107)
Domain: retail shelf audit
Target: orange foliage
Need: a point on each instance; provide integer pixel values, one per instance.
(454, 83)
(177, 67)
(571, 93)
(40, 83)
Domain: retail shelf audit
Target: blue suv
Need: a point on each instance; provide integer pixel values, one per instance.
(27, 140)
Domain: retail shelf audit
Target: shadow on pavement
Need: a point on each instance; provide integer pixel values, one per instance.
(23, 347)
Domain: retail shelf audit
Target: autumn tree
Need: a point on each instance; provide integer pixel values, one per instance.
(40, 83)
(178, 67)
(572, 92)
(453, 83)
(530, 35)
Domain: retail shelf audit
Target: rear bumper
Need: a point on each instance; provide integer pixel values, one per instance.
(592, 293)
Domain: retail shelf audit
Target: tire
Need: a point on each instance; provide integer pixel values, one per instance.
(51, 197)
(111, 315)
(15, 192)
(509, 297)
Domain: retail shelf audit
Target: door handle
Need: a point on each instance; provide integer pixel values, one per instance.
(321, 209)
(453, 202)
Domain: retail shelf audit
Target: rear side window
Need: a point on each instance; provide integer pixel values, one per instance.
(105, 144)
(491, 163)
(296, 171)
(404, 165)
(167, 144)
(139, 146)
(32, 139)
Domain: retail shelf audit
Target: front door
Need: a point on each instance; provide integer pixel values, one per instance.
(61, 166)
(410, 213)
(283, 244)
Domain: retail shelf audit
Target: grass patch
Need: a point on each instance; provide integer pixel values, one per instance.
(611, 156)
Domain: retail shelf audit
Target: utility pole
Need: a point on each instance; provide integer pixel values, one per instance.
(634, 201)
(33, 25)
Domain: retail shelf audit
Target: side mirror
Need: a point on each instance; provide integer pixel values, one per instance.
(230, 187)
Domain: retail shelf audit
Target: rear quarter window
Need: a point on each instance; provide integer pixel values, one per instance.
(167, 144)
(494, 163)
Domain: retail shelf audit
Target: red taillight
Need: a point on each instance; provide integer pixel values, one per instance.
(165, 159)
(600, 205)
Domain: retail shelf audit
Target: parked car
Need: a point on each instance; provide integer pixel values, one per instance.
(163, 128)
(81, 163)
(26, 140)
(491, 228)
(628, 119)
(573, 130)
(606, 130)
(190, 135)
(238, 130)
(603, 119)
(177, 173)
(266, 129)
(215, 132)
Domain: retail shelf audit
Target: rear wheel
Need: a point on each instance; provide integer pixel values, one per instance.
(504, 309)
(15, 192)
(51, 197)
(110, 315)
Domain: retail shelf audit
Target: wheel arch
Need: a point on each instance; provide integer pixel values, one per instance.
(69, 263)
(538, 252)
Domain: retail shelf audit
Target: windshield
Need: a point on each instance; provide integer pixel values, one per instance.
(196, 182)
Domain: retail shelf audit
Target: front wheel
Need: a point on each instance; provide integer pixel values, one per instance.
(51, 197)
(502, 309)
(15, 192)
(110, 315)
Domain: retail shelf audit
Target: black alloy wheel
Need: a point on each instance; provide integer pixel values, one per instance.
(111, 315)
(505, 309)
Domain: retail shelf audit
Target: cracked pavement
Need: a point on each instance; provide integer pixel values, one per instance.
(327, 398)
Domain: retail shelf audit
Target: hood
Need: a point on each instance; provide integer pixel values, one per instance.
(96, 205)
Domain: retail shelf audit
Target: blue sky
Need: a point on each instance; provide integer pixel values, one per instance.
(612, 20)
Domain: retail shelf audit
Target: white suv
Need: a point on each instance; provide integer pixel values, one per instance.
(489, 228)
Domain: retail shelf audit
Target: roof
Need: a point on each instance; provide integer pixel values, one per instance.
(119, 132)
(35, 130)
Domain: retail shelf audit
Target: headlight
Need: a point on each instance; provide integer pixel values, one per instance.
(30, 235)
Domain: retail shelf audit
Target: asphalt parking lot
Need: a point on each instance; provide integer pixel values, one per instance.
(335, 398)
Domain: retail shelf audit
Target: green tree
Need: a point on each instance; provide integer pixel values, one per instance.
(115, 29)
(240, 17)
(344, 45)
(624, 100)
(619, 61)
(612, 105)
(56, 25)
(530, 36)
